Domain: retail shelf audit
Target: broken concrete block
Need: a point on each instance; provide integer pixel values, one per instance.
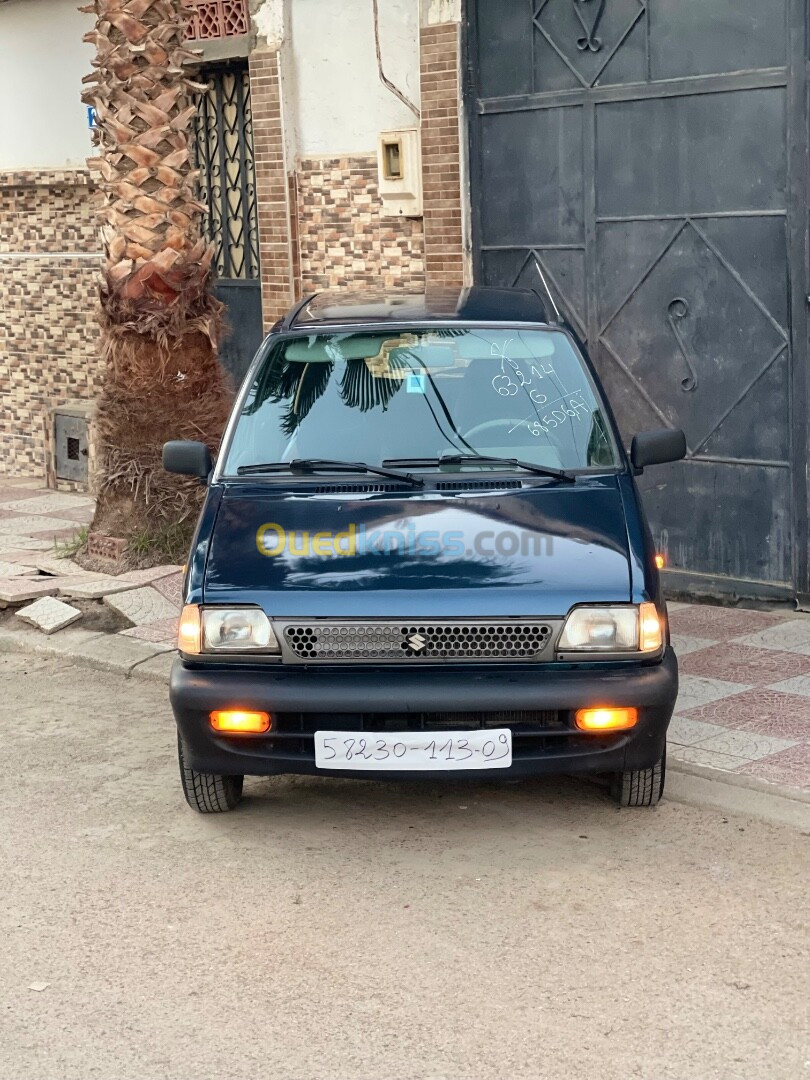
(49, 614)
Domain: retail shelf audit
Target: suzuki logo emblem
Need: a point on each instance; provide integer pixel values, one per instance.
(417, 642)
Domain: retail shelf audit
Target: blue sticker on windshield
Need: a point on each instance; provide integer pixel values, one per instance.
(415, 383)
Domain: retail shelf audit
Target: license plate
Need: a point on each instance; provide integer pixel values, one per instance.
(414, 751)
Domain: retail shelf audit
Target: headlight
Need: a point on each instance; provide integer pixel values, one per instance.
(612, 629)
(225, 630)
(236, 629)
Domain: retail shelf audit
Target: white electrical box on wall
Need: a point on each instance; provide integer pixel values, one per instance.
(399, 164)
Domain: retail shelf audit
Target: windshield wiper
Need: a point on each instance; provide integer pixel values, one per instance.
(482, 459)
(309, 465)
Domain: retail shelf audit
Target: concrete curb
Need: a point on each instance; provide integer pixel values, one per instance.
(686, 783)
(106, 652)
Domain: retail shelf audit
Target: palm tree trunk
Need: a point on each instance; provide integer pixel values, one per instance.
(159, 319)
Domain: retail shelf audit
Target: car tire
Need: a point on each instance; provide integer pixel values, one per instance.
(640, 787)
(208, 793)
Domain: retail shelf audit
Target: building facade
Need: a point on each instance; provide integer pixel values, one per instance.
(649, 157)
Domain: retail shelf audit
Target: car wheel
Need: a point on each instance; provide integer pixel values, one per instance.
(640, 787)
(208, 793)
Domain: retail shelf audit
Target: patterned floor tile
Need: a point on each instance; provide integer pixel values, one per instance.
(162, 632)
(762, 709)
(787, 767)
(152, 575)
(23, 524)
(694, 691)
(745, 744)
(141, 606)
(172, 588)
(48, 504)
(745, 664)
(16, 590)
(683, 644)
(23, 545)
(720, 623)
(698, 755)
(800, 684)
(80, 516)
(15, 569)
(684, 731)
(791, 635)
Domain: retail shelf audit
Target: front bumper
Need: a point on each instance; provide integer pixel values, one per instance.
(308, 698)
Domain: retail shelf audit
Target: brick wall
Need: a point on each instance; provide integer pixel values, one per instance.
(272, 186)
(50, 259)
(343, 239)
(441, 154)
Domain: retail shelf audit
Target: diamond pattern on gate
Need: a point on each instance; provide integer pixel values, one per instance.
(219, 18)
(692, 336)
(586, 34)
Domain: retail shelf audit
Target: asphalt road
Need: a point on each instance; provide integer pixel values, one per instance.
(333, 929)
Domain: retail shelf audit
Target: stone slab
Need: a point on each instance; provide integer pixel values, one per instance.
(141, 606)
(61, 567)
(15, 569)
(49, 614)
(19, 589)
(91, 588)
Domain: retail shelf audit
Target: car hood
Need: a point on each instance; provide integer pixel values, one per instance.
(536, 550)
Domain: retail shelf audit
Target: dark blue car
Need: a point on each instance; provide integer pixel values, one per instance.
(422, 551)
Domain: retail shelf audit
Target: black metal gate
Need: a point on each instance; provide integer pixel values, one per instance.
(651, 154)
(228, 190)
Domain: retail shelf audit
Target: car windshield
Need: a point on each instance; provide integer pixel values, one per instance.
(398, 395)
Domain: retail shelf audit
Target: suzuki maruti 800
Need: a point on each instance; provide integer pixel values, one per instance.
(422, 552)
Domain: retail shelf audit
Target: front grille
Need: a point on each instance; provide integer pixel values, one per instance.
(417, 641)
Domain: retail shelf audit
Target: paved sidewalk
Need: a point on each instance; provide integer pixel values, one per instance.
(744, 703)
(37, 527)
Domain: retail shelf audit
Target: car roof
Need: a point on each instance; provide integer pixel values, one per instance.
(471, 304)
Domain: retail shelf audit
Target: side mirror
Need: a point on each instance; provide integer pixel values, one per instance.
(657, 447)
(187, 458)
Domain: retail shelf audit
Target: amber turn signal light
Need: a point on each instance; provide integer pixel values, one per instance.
(188, 630)
(240, 721)
(660, 562)
(606, 719)
(650, 632)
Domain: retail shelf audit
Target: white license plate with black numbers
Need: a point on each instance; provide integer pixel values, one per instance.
(414, 751)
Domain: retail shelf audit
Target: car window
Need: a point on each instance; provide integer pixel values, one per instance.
(372, 396)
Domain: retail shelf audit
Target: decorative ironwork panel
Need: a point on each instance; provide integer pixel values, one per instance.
(219, 18)
(227, 178)
(635, 156)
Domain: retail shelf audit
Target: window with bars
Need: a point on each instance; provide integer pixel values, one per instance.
(224, 142)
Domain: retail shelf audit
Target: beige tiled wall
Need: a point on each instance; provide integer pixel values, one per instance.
(50, 258)
(343, 238)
